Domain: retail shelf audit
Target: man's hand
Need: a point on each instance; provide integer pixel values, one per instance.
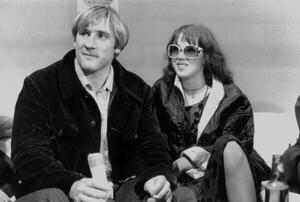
(88, 190)
(159, 189)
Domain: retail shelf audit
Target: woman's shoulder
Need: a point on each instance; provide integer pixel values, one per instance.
(234, 94)
(160, 81)
(232, 90)
(162, 84)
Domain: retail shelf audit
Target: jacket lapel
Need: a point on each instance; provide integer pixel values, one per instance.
(213, 101)
(120, 109)
(126, 95)
(67, 77)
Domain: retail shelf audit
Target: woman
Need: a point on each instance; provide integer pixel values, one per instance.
(208, 120)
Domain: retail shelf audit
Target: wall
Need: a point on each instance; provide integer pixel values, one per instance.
(33, 35)
(259, 38)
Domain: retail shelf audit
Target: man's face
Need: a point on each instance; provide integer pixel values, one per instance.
(94, 47)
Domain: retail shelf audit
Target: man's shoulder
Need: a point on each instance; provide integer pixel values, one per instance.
(128, 79)
(52, 69)
(43, 79)
(45, 72)
(133, 77)
(131, 83)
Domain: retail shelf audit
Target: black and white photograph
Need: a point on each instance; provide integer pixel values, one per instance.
(149, 100)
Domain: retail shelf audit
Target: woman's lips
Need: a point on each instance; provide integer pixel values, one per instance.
(181, 65)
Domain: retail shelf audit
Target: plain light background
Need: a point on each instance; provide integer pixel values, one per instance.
(260, 39)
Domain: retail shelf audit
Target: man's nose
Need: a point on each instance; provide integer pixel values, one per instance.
(90, 41)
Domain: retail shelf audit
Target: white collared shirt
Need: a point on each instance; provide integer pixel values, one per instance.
(216, 94)
(188, 102)
(101, 96)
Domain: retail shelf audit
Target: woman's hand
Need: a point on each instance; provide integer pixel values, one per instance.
(159, 189)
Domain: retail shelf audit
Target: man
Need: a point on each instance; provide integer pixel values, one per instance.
(6, 170)
(6, 123)
(87, 103)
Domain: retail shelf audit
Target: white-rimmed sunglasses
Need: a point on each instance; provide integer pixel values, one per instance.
(189, 51)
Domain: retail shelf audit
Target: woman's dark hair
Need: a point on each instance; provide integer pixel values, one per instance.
(214, 65)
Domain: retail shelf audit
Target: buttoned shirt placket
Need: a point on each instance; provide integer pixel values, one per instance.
(101, 96)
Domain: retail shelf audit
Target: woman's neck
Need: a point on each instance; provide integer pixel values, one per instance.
(195, 82)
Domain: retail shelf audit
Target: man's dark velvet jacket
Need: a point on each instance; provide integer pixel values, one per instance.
(57, 124)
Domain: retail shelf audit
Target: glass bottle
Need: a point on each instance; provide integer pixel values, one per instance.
(276, 190)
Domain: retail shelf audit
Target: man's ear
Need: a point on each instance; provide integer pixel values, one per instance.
(117, 51)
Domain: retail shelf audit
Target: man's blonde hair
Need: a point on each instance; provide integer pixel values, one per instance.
(95, 14)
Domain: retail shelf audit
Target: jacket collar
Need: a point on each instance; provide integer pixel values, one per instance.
(126, 81)
(67, 77)
(71, 85)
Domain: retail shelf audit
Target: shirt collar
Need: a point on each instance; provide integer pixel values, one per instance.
(108, 85)
(178, 84)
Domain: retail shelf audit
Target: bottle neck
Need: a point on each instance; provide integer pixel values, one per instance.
(277, 168)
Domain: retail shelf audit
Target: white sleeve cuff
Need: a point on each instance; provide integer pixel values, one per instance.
(198, 155)
(3, 196)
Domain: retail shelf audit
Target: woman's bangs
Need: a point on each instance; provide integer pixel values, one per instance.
(190, 36)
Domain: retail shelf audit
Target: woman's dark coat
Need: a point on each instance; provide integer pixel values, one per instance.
(227, 115)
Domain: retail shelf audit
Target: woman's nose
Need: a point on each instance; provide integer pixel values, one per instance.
(181, 55)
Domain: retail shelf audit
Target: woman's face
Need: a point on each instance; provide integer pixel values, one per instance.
(187, 68)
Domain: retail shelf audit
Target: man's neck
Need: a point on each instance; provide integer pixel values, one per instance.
(95, 79)
(98, 79)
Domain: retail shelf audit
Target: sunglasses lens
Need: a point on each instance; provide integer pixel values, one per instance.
(173, 51)
(191, 51)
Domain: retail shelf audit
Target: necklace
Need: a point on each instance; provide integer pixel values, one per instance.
(193, 92)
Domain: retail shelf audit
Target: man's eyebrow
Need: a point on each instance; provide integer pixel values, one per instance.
(103, 32)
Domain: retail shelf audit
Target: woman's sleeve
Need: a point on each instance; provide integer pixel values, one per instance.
(239, 122)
